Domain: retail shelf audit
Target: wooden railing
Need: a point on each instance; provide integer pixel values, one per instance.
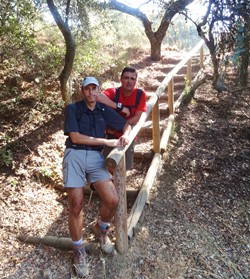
(116, 158)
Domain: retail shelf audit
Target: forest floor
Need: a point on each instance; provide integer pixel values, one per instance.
(196, 223)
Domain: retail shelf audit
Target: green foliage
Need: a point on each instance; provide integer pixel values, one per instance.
(45, 172)
(92, 58)
(174, 130)
(187, 86)
(110, 46)
(6, 158)
(87, 58)
(123, 37)
(239, 47)
(181, 34)
(16, 29)
(188, 97)
(46, 59)
(38, 49)
(45, 175)
(225, 30)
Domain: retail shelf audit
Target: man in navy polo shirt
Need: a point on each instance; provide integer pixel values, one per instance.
(85, 125)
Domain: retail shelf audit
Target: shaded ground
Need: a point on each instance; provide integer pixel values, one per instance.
(196, 223)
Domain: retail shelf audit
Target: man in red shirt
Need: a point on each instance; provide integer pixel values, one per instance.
(130, 102)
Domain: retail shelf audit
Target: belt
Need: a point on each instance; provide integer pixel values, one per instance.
(111, 136)
(86, 147)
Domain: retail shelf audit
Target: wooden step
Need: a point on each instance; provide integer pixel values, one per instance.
(145, 155)
(164, 96)
(146, 130)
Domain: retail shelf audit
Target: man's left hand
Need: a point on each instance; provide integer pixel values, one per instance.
(123, 140)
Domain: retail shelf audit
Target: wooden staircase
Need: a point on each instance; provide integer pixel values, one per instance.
(153, 132)
(145, 133)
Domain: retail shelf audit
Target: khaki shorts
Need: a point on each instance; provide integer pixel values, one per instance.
(82, 165)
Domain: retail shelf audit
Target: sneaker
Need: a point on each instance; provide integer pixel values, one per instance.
(80, 263)
(102, 236)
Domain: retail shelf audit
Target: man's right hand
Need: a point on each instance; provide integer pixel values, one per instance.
(112, 142)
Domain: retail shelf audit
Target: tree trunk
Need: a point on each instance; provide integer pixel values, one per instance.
(69, 56)
(155, 49)
(217, 81)
(244, 61)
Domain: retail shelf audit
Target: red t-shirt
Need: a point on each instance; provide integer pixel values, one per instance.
(127, 101)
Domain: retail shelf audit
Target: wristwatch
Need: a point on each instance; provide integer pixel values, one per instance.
(119, 107)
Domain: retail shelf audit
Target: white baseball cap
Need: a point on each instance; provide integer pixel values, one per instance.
(90, 80)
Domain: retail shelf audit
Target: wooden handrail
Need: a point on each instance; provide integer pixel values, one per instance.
(116, 154)
(116, 158)
(160, 90)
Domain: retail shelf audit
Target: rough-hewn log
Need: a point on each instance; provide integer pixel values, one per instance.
(166, 134)
(142, 197)
(62, 243)
(121, 212)
(186, 98)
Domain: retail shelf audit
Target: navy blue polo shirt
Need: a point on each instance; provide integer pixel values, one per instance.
(79, 118)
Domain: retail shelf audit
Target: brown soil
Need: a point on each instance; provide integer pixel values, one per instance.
(196, 223)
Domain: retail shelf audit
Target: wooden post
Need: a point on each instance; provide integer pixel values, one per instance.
(156, 127)
(201, 57)
(171, 96)
(121, 214)
(189, 71)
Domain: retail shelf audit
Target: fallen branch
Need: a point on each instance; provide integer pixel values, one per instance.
(62, 243)
(185, 98)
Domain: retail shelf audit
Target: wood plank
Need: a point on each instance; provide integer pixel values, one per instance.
(166, 134)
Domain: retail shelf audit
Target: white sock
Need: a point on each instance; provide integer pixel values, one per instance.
(103, 225)
(78, 242)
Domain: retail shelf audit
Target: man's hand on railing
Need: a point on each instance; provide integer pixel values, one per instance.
(112, 142)
(121, 142)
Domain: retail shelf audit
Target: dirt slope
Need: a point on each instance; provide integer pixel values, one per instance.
(195, 225)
